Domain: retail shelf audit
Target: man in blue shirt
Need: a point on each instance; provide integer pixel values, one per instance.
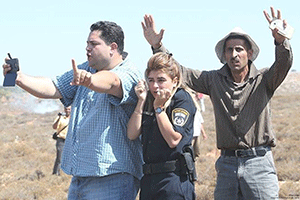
(104, 163)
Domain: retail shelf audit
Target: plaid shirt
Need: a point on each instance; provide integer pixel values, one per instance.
(97, 143)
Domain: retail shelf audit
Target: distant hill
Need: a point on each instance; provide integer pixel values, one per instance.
(291, 84)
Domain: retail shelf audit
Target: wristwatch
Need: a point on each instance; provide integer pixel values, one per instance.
(158, 110)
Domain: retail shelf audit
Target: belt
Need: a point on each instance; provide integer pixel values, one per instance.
(155, 168)
(252, 152)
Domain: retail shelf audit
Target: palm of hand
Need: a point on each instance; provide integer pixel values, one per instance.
(152, 36)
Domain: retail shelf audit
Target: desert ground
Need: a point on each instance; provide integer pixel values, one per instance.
(27, 151)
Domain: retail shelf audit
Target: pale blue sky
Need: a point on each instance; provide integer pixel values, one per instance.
(45, 35)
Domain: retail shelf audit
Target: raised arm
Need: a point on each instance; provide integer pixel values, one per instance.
(135, 121)
(40, 87)
(154, 38)
(277, 36)
(171, 136)
(283, 54)
(102, 81)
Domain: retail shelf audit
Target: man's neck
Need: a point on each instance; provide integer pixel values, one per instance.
(115, 62)
(240, 76)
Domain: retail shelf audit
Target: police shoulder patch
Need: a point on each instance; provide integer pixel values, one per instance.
(180, 116)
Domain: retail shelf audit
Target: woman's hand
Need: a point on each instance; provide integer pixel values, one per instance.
(140, 90)
(162, 96)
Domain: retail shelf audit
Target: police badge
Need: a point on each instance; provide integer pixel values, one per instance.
(180, 116)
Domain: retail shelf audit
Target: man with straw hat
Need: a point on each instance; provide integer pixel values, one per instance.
(240, 94)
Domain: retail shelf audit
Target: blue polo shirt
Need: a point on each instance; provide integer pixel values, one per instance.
(97, 143)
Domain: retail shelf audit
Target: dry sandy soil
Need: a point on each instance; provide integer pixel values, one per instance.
(27, 151)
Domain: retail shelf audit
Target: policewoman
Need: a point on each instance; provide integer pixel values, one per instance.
(164, 118)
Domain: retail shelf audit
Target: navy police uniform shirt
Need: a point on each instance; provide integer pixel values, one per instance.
(181, 113)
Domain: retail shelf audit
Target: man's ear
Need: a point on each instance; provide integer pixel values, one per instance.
(113, 47)
(250, 54)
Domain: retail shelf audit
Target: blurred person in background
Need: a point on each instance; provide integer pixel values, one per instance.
(60, 124)
(104, 163)
(200, 99)
(198, 132)
(240, 94)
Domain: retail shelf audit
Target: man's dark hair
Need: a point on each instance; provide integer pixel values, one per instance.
(110, 32)
(247, 43)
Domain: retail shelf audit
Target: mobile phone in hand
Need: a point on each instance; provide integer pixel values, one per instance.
(284, 31)
(11, 75)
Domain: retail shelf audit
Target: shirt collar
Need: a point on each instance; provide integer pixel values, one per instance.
(225, 71)
(125, 58)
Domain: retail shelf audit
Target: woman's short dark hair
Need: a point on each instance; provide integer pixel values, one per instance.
(110, 32)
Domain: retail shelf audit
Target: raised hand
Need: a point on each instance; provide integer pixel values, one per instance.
(278, 37)
(153, 38)
(162, 96)
(80, 77)
(141, 90)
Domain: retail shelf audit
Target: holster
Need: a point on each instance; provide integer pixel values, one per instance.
(188, 162)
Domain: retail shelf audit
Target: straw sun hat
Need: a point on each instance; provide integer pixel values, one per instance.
(236, 31)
